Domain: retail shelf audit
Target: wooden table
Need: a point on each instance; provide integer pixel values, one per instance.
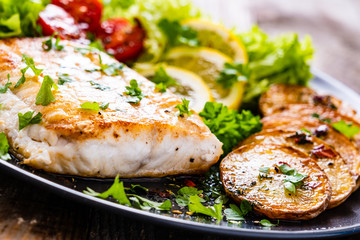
(30, 212)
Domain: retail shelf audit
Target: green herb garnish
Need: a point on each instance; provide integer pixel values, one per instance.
(99, 86)
(30, 64)
(231, 74)
(178, 34)
(94, 106)
(47, 45)
(182, 197)
(229, 126)
(134, 92)
(349, 130)
(264, 169)
(45, 95)
(184, 108)
(104, 105)
(28, 119)
(214, 211)
(325, 120)
(146, 204)
(293, 178)
(4, 147)
(267, 223)
(113, 69)
(162, 80)
(3, 89)
(64, 78)
(237, 214)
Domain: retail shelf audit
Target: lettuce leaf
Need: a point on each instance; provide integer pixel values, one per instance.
(18, 17)
(150, 13)
(283, 59)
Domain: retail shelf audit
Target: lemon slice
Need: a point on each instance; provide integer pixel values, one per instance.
(190, 85)
(208, 63)
(218, 37)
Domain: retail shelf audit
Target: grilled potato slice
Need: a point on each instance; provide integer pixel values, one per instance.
(241, 179)
(280, 95)
(325, 132)
(329, 160)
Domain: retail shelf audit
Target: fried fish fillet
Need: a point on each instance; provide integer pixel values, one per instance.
(148, 139)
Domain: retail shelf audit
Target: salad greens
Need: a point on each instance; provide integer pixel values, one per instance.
(150, 13)
(18, 17)
(283, 59)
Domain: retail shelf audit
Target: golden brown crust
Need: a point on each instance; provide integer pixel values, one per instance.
(240, 177)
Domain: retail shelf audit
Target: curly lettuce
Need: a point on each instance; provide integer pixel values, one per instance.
(18, 17)
(150, 13)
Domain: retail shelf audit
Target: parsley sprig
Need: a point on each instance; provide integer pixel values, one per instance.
(29, 64)
(229, 126)
(184, 108)
(47, 45)
(3, 89)
(233, 73)
(162, 80)
(27, 119)
(4, 147)
(293, 178)
(235, 213)
(45, 95)
(113, 69)
(134, 92)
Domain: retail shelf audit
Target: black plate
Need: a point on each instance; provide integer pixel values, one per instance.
(343, 220)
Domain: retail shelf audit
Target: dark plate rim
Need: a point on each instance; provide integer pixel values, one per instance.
(190, 225)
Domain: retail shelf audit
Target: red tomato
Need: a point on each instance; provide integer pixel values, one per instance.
(54, 19)
(85, 12)
(122, 39)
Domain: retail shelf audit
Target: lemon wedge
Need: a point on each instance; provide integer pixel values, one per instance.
(218, 37)
(190, 85)
(208, 63)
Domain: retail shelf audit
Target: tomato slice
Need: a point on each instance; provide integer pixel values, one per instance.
(54, 19)
(85, 12)
(122, 39)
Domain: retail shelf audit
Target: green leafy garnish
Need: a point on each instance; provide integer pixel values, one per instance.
(184, 108)
(3, 89)
(30, 64)
(293, 178)
(134, 92)
(93, 106)
(99, 86)
(349, 130)
(116, 190)
(229, 126)
(28, 119)
(178, 34)
(267, 223)
(45, 95)
(47, 45)
(214, 211)
(113, 69)
(264, 169)
(4, 147)
(19, 17)
(283, 59)
(64, 78)
(231, 74)
(237, 214)
(104, 105)
(182, 198)
(162, 80)
(146, 204)
(325, 120)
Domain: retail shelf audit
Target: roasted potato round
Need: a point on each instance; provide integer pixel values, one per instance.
(242, 177)
(329, 160)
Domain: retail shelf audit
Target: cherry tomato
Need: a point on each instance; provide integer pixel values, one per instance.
(54, 19)
(122, 39)
(85, 12)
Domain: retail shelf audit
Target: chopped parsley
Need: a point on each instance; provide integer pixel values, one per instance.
(178, 34)
(229, 126)
(64, 78)
(104, 105)
(47, 45)
(28, 119)
(146, 204)
(231, 74)
(94, 106)
(113, 69)
(349, 130)
(264, 169)
(134, 92)
(162, 80)
(3, 89)
(267, 223)
(214, 211)
(99, 86)
(184, 108)
(293, 178)
(4, 147)
(29, 64)
(182, 198)
(325, 120)
(45, 95)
